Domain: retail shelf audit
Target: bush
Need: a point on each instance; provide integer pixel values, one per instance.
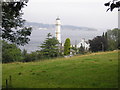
(28, 57)
(10, 53)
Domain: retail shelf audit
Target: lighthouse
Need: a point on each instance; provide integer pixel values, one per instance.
(57, 31)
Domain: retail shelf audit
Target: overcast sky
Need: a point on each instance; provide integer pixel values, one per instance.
(88, 13)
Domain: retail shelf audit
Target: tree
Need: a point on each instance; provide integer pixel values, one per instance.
(81, 49)
(113, 5)
(13, 28)
(67, 47)
(112, 44)
(113, 39)
(104, 42)
(49, 47)
(96, 44)
(30, 57)
(10, 53)
(108, 41)
(24, 54)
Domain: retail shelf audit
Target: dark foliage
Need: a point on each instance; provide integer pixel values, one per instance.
(33, 56)
(10, 53)
(108, 41)
(30, 57)
(50, 46)
(81, 49)
(113, 5)
(113, 39)
(13, 28)
(97, 44)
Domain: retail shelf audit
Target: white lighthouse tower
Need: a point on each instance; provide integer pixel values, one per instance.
(57, 31)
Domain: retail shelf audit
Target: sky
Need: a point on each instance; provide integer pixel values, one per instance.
(87, 13)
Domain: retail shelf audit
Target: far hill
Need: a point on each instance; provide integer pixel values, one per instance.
(51, 26)
(96, 70)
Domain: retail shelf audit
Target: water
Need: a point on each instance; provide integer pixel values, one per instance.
(38, 36)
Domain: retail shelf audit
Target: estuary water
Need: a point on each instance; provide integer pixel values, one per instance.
(38, 36)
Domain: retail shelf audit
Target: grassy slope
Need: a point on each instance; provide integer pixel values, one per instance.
(97, 70)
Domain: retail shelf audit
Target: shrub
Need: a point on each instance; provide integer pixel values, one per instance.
(10, 53)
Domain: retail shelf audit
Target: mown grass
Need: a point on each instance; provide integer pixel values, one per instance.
(97, 70)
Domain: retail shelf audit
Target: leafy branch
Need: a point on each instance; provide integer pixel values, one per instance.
(112, 5)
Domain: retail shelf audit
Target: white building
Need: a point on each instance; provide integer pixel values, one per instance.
(84, 43)
(57, 31)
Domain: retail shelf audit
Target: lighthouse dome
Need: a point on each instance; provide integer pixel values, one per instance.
(57, 18)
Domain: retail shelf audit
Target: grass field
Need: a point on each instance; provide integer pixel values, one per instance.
(97, 70)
